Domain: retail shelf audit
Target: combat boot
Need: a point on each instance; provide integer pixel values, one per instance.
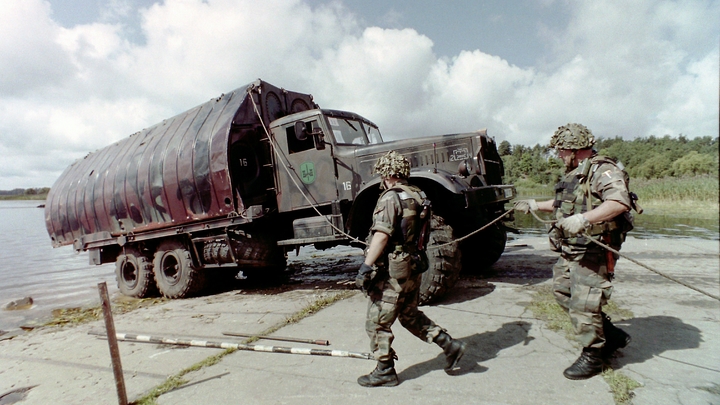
(384, 375)
(453, 349)
(589, 363)
(615, 338)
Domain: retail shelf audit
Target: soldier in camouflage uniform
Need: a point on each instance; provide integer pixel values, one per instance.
(591, 201)
(396, 250)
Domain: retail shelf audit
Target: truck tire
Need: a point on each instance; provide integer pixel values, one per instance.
(134, 274)
(484, 249)
(175, 274)
(445, 263)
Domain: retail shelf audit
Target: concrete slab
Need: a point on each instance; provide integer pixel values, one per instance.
(512, 357)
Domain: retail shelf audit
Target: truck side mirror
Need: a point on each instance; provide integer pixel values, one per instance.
(319, 140)
(300, 132)
(318, 136)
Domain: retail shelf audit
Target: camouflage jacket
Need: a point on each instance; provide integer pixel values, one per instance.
(595, 180)
(398, 213)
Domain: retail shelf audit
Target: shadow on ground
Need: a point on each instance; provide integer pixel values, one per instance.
(655, 335)
(480, 347)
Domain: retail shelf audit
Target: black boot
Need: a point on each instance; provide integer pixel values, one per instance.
(384, 375)
(453, 349)
(589, 363)
(615, 338)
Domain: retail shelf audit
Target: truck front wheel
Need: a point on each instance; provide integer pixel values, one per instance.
(175, 274)
(445, 262)
(134, 274)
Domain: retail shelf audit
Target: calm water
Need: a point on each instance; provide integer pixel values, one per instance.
(60, 278)
(29, 266)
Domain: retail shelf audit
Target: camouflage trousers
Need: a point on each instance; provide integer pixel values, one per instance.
(582, 286)
(391, 300)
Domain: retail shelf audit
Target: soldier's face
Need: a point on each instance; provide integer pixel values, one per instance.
(568, 158)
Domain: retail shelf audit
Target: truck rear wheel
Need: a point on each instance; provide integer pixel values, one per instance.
(134, 274)
(175, 274)
(444, 263)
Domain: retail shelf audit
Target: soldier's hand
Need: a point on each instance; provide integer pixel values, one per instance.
(364, 278)
(525, 206)
(574, 224)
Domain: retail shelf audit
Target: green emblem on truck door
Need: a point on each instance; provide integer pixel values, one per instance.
(307, 172)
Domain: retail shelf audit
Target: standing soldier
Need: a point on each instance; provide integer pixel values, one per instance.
(591, 201)
(398, 237)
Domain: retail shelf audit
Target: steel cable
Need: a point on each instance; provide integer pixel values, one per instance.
(604, 246)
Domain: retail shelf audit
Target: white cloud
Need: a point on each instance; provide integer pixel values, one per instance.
(30, 57)
(628, 69)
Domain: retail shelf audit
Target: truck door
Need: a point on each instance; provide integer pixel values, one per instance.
(311, 168)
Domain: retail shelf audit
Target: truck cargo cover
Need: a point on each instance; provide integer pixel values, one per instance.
(170, 174)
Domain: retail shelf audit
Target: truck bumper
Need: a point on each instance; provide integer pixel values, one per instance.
(479, 196)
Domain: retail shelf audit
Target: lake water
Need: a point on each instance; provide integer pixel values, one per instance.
(60, 278)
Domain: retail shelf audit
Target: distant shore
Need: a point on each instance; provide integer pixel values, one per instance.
(24, 197)
(687, 208)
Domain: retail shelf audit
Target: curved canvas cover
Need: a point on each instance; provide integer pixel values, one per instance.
(170, 174)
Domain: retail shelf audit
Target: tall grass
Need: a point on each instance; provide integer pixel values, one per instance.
(687, 197)
(673, 189)
(668, 189)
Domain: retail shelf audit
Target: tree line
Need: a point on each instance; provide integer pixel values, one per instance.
(649, 158)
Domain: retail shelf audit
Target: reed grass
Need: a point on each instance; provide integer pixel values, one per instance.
(689, 197)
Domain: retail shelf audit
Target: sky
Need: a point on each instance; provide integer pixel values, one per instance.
(78, 75)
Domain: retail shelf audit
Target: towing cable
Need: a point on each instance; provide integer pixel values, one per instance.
(604, 246)
(293, 174)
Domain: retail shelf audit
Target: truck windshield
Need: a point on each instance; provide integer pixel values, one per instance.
(353, 131)
(373, 133)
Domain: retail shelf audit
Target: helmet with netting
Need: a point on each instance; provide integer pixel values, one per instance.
(572, 136)
(393, 164)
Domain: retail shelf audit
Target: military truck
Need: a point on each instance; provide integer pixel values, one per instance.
(243, 179)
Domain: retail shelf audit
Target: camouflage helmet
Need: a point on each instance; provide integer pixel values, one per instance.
(572, 136)
(393, 164)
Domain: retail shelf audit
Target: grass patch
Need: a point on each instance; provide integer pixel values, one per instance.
(544, 307)
(177, 380)
(78, 316)
(620, 385)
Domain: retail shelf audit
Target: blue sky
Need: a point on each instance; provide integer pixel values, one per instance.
(77, 75)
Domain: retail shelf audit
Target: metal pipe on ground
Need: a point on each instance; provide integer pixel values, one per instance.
(280, 338)
(239, 346)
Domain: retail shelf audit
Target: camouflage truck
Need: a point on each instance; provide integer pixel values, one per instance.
(238, 182)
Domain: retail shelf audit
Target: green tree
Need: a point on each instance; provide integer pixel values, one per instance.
(656, 167)
(693, 164)
(504, 149)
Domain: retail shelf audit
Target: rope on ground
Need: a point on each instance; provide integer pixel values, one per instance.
(653, 270)
(597, 242)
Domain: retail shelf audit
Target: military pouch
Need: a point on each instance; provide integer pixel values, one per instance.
(400, 265)
(554, 237)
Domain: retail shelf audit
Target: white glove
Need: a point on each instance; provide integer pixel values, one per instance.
(525, 206)
(574, 224)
